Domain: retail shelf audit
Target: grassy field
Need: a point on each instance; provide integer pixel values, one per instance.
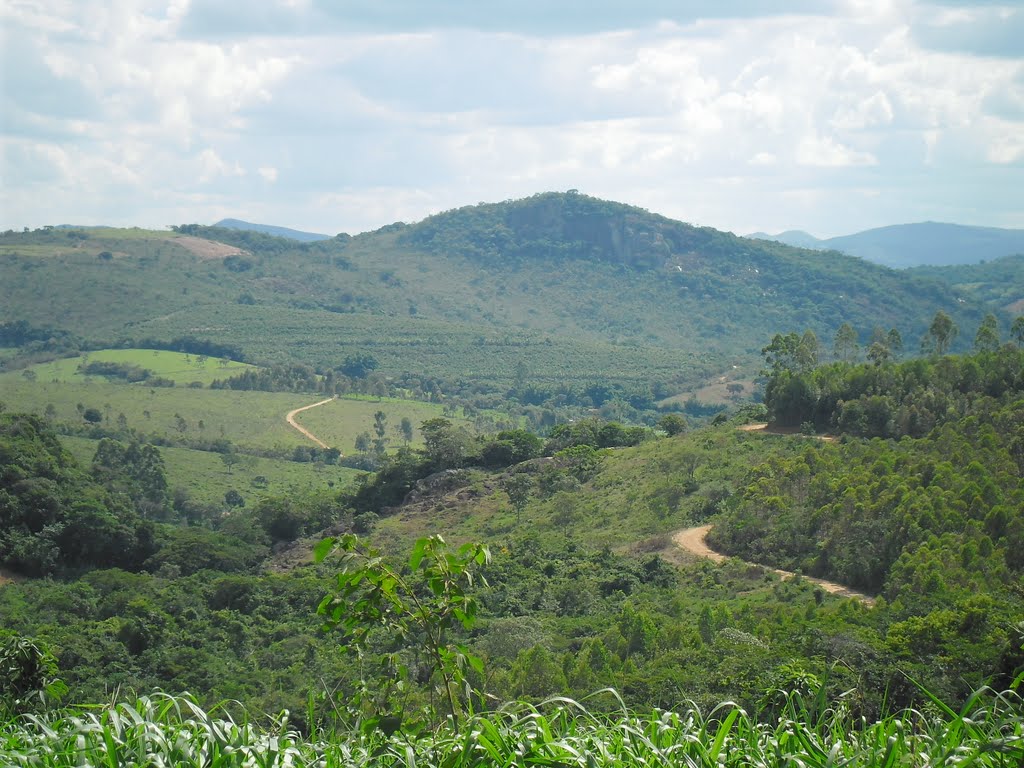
(206, 478)
(181, 368)
(339, 422)
(251, 420)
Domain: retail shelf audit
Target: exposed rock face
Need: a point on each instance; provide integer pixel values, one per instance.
(439, 483)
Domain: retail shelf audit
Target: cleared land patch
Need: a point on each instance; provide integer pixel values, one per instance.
(206, 478)
(207, 249)
(181, 368)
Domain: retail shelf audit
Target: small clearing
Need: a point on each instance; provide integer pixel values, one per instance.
(207, 249)
(693, 541)
(290, 418)
(771, 429)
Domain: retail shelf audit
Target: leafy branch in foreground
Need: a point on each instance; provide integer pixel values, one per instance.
(414, 608)
(28, 677)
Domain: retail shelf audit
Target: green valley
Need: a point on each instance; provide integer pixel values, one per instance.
(515, 413)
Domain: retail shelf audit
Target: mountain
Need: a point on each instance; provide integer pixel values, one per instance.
(930, 243)
(555, 290)
(269, 229)
(795, 237)
(912, 245)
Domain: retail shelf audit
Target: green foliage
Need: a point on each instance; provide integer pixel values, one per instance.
(940, 335)
(672, 424)
(892, 400)
(28, 677)
(358, 366)
(53, 517)
(167, 730)
(415, 609)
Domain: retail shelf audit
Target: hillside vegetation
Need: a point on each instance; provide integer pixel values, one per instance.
(509, 456)
(556, 283)
(584, 590)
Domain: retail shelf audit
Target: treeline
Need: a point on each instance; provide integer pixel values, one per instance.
(884, 398)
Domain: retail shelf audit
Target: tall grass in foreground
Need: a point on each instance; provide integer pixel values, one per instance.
(163, 730)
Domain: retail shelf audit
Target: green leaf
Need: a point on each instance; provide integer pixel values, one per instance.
(418, 551)
(321, 550)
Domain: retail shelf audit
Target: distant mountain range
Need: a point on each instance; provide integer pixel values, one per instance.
(914, 245)
(270, 229)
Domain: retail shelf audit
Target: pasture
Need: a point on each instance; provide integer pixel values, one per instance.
(252, 421)
(206, 478)
(181, 368)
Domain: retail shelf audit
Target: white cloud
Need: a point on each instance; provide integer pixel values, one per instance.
(212, 167)
(826, 152)
(741, 121)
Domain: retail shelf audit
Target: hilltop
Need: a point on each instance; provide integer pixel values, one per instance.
(270, 229)
(559, 289)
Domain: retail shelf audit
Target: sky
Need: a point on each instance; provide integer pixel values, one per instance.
(830, 116)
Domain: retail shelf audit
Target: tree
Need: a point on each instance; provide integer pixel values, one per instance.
(878, 353)
(92, 415)
(406, 429)
(672, 424)
(519, 487)
(418, 606)
(230, 458)
(845, 346)
(987, 337)
(444, 444)
(895, 342)
(792, 352)
(941, 334)
(358, 366)
(1017, 331)
(380, 425)
(362, 442)
(234, 499)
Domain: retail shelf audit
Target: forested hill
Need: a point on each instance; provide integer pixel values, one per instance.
(999, 283)
(552, 278)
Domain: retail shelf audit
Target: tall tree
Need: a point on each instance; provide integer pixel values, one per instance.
(845, 346)
(941, 333)
(987, 337)
(380, 426)
(1017, 331)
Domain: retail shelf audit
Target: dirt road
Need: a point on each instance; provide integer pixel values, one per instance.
(692, 540)
(290, 418)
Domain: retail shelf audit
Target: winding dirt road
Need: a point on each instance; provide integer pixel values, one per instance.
(692, 540)
(290, 418)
